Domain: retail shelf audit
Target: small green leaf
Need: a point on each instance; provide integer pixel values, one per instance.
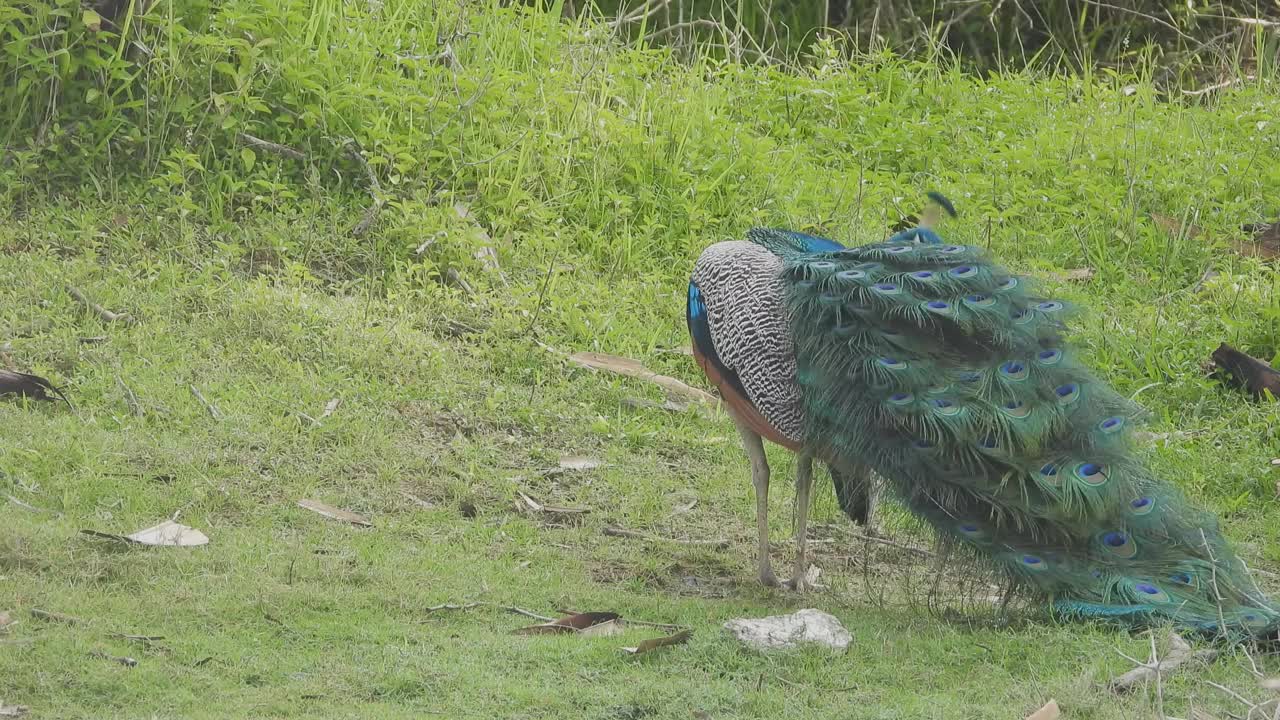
(92, 21)
(248, 158)
(92, 94)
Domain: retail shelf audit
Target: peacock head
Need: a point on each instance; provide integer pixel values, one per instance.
(923, 233)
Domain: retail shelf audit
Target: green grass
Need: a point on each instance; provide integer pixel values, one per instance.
(599, 171)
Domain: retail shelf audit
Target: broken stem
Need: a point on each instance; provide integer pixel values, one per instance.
(214, 412)
(130, 398)
(1179, 654)
(375, 192)
(612, 531)
(270, 147)
(105, 314)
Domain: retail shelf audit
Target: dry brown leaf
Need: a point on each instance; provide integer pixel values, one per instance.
(811, 577)
(654, 643)
(169, 533)
(166, 534)
(334, 513)
(1073, 275)
(1050, 711)
(1173, 226)
(13, 710)
(1263, 243)
(536, 506)
(580, 623)
(329, 407)
(632, 368)
(579, 462)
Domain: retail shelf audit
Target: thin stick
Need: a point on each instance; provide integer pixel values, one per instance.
(271, 147)
(1234, 694)
(526, 613)
(130, 398)
(508, 608)
(420, 503)
(456, 278)
(1179, 654)
(375, 191)
(101, 312)
(39, 614)
(24, 506)
(890, 543)
(612, 531)
(449, 606)
(214, 412)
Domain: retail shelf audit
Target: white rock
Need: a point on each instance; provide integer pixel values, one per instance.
(785, 631)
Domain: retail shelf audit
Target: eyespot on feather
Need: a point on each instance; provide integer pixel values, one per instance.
(1067, 394)
(1016, 409)
(938, 307)
(1049, 358)
(1118, 544)
(1091, 474)
(1142, 506)
(979, 301)
(1013, 370)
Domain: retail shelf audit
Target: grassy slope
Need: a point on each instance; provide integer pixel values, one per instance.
(613, 167)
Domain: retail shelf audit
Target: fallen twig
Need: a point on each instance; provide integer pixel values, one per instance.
(375, 191)
(51, 616)
(418, 501)
(126, 661)
(456, 278)
(509, 608)
(450, 606)
(900, 546)
(1179, 654)
(1217, 86)
(105, 314)
(214, 412)
(24, 506)
(526, 613)
(612, 531)
(271, 147)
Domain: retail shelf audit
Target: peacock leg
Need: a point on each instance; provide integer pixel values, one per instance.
(804, 480)
(760, 479)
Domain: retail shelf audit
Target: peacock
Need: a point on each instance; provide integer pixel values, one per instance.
(931, 370)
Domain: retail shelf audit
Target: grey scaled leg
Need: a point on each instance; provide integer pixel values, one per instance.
(760, 479)
(804, 481)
